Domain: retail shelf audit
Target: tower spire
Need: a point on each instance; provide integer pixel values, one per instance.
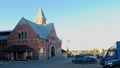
(40, 17)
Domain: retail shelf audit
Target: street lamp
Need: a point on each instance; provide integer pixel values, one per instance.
(68, 41)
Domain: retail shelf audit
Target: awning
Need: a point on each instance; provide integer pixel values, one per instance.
(19, 48)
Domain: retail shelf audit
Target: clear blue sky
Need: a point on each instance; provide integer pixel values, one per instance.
(86, 23)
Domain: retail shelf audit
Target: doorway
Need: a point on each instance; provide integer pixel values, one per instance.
(52, 52)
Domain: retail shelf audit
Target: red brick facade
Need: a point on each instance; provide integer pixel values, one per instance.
(43, 48)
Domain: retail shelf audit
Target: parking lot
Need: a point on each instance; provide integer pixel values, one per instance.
(70, 65)
(51, 63)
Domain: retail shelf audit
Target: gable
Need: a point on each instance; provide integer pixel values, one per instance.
(52, 31)
(41, 31)
(22, 26)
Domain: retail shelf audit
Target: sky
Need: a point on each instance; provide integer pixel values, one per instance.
(87, 24)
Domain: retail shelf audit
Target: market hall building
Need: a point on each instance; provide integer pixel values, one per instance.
(31, 40)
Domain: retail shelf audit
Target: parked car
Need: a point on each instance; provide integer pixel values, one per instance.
(91, 55)
(70, 55)
(83, 58)
(112, 64)
(99, 56)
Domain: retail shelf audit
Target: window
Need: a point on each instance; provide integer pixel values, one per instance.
(42, 51)
(25, 34)
(111, 53)
(19, 35)
(22, 34)
(3, 44)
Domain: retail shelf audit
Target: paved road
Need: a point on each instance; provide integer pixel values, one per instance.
(51, 63)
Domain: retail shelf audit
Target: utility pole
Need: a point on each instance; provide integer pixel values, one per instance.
(68, 41)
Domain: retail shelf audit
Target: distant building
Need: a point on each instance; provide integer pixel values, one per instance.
(33, 40)
(3, 42)
(3, 39)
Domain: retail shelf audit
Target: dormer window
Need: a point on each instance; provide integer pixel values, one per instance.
(22, 34)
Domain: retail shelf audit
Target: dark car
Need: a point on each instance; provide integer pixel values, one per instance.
(83, 59)
(112, 64)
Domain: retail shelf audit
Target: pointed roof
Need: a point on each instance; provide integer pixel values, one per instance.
(41, 30)
(40, 14)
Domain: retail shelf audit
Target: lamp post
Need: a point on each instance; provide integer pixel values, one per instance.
(68, 41)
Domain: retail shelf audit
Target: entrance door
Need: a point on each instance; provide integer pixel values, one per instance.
(20, 56)
(52, 52)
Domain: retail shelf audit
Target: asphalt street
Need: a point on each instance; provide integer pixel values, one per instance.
(46, 63)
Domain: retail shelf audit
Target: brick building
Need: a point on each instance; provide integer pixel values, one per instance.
(33, 40)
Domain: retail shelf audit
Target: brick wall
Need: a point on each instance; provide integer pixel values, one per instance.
(31, 41)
